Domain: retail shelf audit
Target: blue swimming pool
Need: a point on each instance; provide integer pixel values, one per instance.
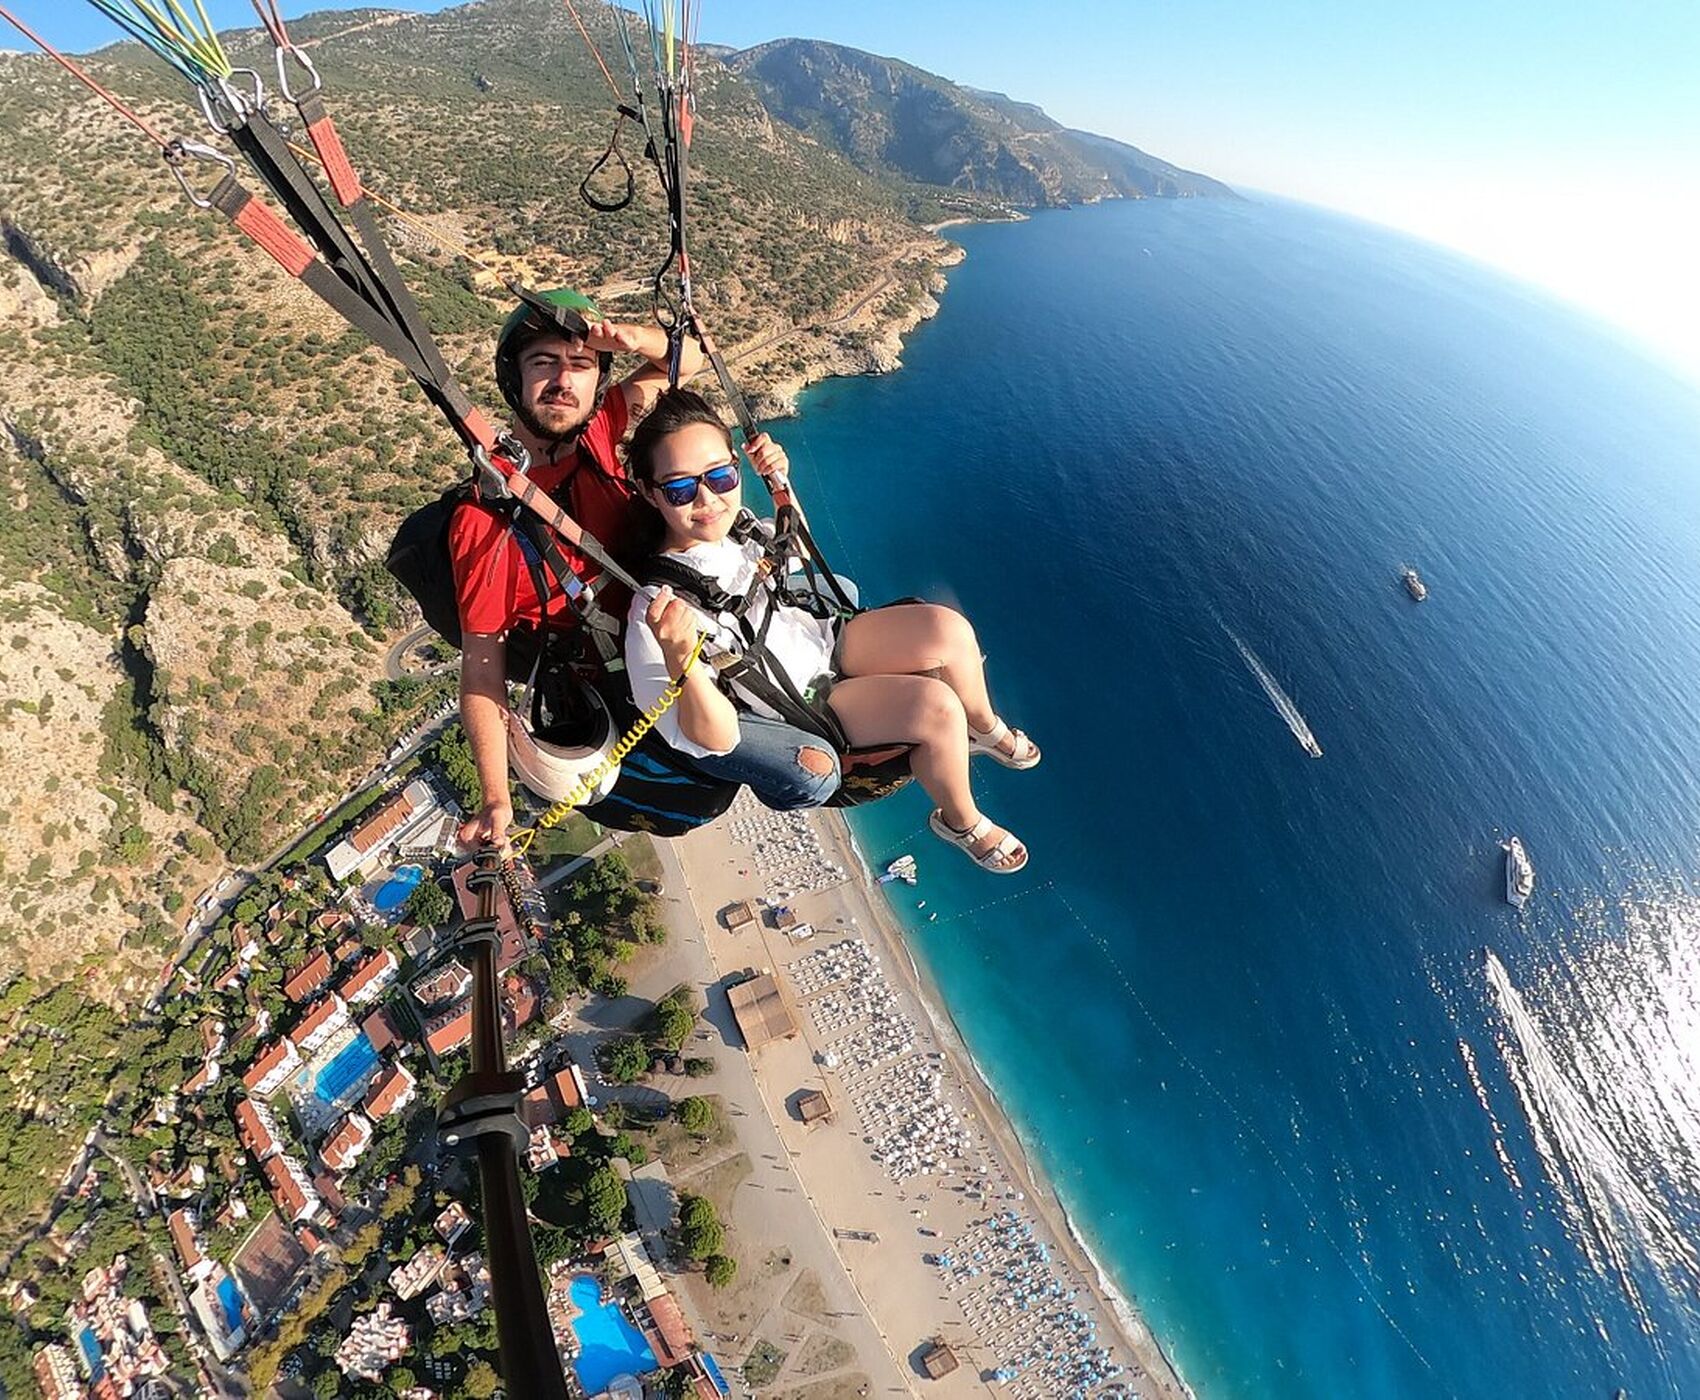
(712, 1366)
(232, 1301)
(352, 1064)
(91, 1353)
(398, 889)
(609, 1345)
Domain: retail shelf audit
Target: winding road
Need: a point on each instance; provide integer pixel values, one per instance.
(393, 657)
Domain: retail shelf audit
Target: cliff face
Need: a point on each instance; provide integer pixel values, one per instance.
(200, 466)
(894, 119)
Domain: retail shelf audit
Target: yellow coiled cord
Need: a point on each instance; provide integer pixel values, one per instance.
(520, 841)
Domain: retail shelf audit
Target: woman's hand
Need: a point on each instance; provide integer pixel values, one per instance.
(675, 626)
(769, 459)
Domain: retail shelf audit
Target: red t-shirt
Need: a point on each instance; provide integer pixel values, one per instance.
(493, 583)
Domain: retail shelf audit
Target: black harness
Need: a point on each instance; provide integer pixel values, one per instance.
(753, 668)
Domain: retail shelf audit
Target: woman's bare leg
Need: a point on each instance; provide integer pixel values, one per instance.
(911, 639)
(927, 713)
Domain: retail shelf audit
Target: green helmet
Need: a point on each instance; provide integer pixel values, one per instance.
(563, 312)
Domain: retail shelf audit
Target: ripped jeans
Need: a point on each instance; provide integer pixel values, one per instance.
(770, 760)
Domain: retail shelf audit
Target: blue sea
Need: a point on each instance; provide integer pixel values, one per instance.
(1338, 1119)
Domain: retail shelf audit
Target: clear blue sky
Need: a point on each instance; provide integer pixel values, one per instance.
(1559, 140)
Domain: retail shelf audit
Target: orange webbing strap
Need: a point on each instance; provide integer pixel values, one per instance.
(260, 224)
(345, 180)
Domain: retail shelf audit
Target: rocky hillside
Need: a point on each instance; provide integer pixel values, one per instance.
(200, 467)
(891, 118)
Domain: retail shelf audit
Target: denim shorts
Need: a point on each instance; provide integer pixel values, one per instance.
(767, 762)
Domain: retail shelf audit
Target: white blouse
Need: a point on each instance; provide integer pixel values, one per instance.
(800, 644)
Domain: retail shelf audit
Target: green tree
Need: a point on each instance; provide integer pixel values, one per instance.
(625, 1060)
(720, 1270)
(673, 1025)
(454, 757)
(605, 1200)
(696, 1115)
(700, 1231)
(429, 905)
(481, 1380)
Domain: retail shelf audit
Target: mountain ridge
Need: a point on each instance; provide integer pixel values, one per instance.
(891, 117)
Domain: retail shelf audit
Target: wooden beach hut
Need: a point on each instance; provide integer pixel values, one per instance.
(938, 1360)
(761, 1010)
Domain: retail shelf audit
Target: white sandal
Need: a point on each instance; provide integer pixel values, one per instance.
(990, 860)
(990, 741)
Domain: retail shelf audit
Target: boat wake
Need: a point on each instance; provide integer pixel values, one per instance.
(1279, 698)
(1468, 1056)
(1608, 1135)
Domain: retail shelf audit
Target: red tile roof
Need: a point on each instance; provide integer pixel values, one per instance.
(346, 1142)
(316, 1018)
(252, 1132)
(387, 818)
(564, 1090)
(387, 1090)
(450, 1030)
(183, 1238)
(265, 1064)
(671, 1327)
(380, 1030)
(369, 970)
(309, 977)
(290, 1198)
(520, 1006)
(325, 1184)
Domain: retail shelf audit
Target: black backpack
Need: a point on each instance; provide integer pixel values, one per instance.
(419, 561)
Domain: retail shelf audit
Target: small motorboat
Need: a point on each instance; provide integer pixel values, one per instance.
(1519, 873)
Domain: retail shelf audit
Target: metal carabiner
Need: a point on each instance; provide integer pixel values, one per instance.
(492, 481)
(181, 151)
(224, 96)
(300, 56)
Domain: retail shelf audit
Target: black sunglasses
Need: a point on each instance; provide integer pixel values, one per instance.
(682, 490)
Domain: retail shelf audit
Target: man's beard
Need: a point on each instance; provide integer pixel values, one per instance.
(555, 432)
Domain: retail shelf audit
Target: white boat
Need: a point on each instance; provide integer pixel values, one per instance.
(1519, 873)
(1414, 584)
(903, 868)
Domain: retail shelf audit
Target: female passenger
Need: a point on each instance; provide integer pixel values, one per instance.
(906, 674)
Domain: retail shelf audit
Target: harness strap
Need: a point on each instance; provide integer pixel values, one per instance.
(755, 668)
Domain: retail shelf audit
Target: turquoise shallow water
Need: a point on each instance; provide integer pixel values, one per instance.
(1340, 1120)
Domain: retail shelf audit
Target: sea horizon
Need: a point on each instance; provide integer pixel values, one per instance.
(1194, 1164)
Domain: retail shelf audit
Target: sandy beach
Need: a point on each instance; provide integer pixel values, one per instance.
(918, 1180)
